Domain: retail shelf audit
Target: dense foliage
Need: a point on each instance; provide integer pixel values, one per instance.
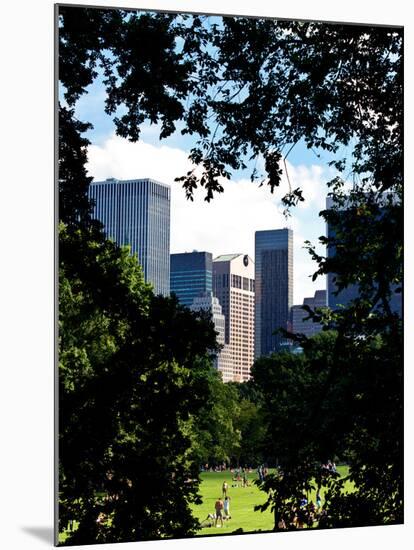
(247, 90)
(131, 366)
(341, 398)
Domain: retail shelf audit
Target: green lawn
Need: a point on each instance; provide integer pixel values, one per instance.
(243, 500)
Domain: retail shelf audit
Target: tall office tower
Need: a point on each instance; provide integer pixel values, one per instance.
(137, 213)
(274, 288)
(233, 284)
(347, 294)
(308, 328)
(191, 275)
(223, 362)
(351, 292)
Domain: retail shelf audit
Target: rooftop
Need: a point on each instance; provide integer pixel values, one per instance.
(226, 257)
(131, 180)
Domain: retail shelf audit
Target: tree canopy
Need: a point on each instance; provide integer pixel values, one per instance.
(247, 90)
(341, 399)
(131, 365)
(134, 369)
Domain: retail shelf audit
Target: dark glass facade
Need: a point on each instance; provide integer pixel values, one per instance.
(351, 292)
(136, 213)
(274, 287)
(347, 294)
(191, 275)
(307, 327)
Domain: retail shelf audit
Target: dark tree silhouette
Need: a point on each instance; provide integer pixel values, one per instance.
(134, 369)
(249, 90)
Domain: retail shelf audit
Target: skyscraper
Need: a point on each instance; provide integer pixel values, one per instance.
(137, 213)
(191, 275)
(274, 287)
(346, 295)
(308, 328)
(233, 284)
(223, 362)
(351, 292)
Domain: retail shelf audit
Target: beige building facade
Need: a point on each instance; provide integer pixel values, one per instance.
(223, 362)
(234, 286)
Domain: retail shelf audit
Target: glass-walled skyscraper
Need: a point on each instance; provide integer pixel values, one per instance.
(300, 322)
(136, 213)
(344, 297)
(274, 287)
(347, 294)
(191, 275)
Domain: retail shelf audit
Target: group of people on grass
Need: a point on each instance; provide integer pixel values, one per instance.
(240, 478)
(303, 514)
(222, 504)
(216, 468)
(224, 468)
(329, 467)
(221, 509)
(262, 472)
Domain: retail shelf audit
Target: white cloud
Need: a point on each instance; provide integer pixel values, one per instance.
(226, 224)
(311, 179)
(119, 158)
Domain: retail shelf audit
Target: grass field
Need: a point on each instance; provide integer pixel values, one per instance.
(243, 501)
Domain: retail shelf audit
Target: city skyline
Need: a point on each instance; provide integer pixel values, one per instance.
(254, 296)
(227, 223)
(297, 274)
(250, 124)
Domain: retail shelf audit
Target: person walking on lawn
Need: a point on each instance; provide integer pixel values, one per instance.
(219, 511)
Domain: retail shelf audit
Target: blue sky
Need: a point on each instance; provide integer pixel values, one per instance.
(228, 223)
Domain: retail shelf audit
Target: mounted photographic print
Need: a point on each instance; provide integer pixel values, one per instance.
(230, 225)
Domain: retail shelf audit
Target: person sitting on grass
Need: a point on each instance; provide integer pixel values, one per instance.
(219, 505)
(209, 521)
(281, 524)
